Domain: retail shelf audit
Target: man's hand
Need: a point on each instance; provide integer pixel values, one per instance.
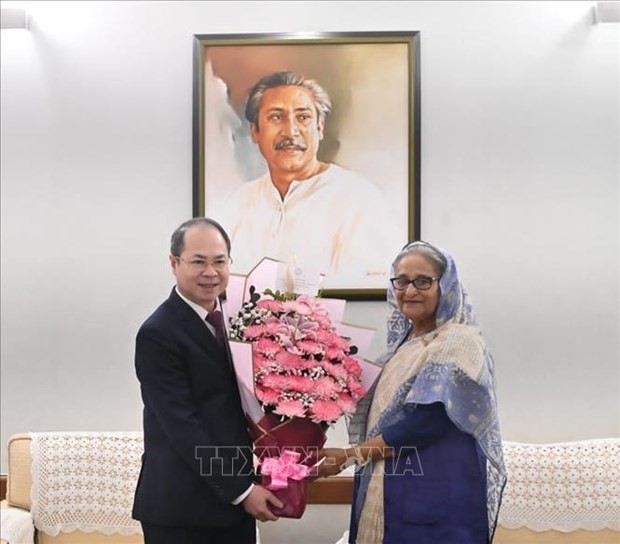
(332, 464)
(257, 504)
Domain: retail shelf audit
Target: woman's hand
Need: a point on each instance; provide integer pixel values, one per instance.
(337, 459)
(333, 459)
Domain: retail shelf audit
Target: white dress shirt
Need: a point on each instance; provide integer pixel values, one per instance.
(336, 222)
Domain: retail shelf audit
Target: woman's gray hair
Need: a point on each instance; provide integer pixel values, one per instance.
(427, 250)
(280, 79)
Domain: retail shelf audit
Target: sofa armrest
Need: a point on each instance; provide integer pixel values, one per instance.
(16, 525)
(19, 481)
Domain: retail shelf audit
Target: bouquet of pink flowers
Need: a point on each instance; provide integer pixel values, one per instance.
(302, 367)
(298, 373)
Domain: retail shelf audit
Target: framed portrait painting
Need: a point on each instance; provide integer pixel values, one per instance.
(307, 150)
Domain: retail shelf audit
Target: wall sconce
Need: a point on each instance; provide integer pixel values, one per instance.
(13, 18)
(607, 12)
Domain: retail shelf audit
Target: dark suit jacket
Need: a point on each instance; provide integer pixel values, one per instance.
(197, 452)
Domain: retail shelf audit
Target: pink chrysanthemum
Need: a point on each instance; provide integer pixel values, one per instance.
(325, 410)
(323, 321)
(339, 342)
(260, 361)
(338, 371)
(302, 384)
(266, 347)
(325, 387)
(254, 331)
(353, 367)
(276, 381)
(274, 306)
(324, 336)
(290, 408)
(310, 347)
(267, 395)
(356, 388)
(346, 403)
(272, 325)
(310, 364)
(299, 306)
(334, 354)
(289, 361)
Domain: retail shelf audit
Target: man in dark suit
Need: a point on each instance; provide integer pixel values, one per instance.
(196, 483)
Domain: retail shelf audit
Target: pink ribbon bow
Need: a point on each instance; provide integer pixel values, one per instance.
(282, 468)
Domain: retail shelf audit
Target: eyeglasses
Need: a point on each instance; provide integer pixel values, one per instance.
(200, 265)
(421, 284)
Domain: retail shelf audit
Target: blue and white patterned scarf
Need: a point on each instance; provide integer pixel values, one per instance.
(469, 399)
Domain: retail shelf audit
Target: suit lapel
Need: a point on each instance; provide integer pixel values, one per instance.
(196, 328)
(192, 323)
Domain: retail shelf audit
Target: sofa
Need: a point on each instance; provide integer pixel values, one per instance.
(20, 496)
(77, 488)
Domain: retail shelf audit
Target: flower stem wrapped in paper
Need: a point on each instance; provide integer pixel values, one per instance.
(299, 370)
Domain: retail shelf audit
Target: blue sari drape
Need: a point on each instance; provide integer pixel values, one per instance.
(458, 371)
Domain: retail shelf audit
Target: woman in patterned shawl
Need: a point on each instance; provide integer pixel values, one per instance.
(427, 443)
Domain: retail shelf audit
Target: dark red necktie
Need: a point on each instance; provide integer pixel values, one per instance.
(217, 321)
